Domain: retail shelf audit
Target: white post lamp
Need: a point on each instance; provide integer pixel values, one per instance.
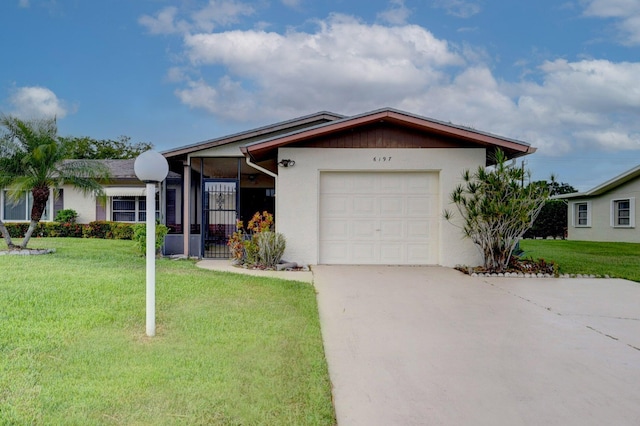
(151, 167)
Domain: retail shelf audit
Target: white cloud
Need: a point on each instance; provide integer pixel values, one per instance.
(24, 3)
(228, 99)
(219, 13)
(164, 22)
(349, 67)
(37, 102)
(207, 18)
(345, 64)
(396, 14)
(458, 8)
(625, 12)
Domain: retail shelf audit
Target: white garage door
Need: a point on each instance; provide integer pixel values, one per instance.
(379, 218)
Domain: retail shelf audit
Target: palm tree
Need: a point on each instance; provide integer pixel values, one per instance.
(32, 160)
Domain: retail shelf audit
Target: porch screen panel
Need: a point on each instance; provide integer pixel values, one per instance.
(220, 212)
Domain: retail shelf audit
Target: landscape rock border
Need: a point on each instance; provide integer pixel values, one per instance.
(26, 252)
(532, 275)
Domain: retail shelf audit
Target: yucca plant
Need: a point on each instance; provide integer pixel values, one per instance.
(271, 246)
(497, 209)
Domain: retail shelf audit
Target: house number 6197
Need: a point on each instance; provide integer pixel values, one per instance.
(381, 159)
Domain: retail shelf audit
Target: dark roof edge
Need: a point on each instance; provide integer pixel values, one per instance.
(251, 133)
(606, 186)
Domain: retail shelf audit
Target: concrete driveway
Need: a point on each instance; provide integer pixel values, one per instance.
(432, 346)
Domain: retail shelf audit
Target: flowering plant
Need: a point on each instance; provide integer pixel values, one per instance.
(246, 244)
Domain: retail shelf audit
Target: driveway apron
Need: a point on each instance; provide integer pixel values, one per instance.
(432, 346)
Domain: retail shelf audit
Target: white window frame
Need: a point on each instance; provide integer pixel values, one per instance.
(615, 210)
(140, 213)
(28, 203)
(574, 214)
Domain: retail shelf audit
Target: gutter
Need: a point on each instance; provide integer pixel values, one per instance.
(260, 168)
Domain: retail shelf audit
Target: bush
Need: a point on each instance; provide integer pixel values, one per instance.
(66, 216)
(97, 229)
(17, 230)
(140, 236)
(57, 229)
(257, 246)
(271, 247)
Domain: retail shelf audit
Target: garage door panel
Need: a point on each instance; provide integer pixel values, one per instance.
(417, 252)
(392, 230)
(419, 206)
(361, 183)
(392, 206)
(379, 218)
(334, 252)
(363, 253)
(364, 230)
(393, 253)
(335, 229)
(419, 230)
(335, 205)
(389, 184)
(364, 206)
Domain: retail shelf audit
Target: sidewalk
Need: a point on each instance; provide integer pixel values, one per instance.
(224, 265)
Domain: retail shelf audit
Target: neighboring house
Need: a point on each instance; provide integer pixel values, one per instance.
(607, 212)
(366, 189)
(125, 199)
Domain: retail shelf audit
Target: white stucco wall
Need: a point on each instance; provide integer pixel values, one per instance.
(297, 193)
(84, 205)
(600, 228)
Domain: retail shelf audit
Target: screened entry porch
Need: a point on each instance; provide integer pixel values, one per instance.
(221, 191)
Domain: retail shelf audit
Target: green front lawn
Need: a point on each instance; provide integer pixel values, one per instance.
(230, 349)
(620, 260)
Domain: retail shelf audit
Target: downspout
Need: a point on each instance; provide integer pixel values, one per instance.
(262, 169)
(267, 172)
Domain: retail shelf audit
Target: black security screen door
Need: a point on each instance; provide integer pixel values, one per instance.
(219, 214)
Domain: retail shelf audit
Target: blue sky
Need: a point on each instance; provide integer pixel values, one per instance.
(563, 76)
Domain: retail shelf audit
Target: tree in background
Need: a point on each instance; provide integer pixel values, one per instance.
(31, 161)
(86, 148)
(552, 220)
(496, 209)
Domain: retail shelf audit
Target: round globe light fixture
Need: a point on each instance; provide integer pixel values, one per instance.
(151, 166)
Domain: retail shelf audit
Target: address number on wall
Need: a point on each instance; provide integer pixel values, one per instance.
(381, 159)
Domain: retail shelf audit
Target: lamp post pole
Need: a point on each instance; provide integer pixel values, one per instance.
(151, 259)
(151, 168)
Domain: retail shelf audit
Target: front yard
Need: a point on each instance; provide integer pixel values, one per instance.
(618, 260)
(230, 349)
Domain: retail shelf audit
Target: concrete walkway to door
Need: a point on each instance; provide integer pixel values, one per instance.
(432, 346)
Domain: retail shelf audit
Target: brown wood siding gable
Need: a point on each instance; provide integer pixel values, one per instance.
(383, 135)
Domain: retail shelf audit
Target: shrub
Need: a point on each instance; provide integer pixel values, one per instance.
(140, 236)
(271, 247)
(17, 230)
(258, 245)
(66, 216)
(96, 229)
(497, 209)
(121, 231)
(57, 229)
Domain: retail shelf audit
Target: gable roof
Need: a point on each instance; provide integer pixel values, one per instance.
(254, 134)
(261, 149)
(606, 186)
